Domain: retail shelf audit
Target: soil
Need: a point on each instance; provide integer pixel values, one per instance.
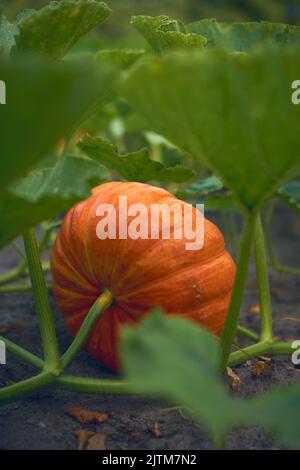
(40, 422)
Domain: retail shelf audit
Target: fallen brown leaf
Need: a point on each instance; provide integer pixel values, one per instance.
(97, 441)
(259, 368)
(155, 429)
(235, 381)
(135, 437)
(86, 416)
(3, 329)
(83, 435)
(254, 309)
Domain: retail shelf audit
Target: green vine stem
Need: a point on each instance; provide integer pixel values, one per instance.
(248, 333)
(258, 349)
(90, 385)
(14, 273)
(263, 281)
(230, 327)
(40, 293)
(273, 258)
(101, 304)
(12, 288)
(22, 353)
(25, 387)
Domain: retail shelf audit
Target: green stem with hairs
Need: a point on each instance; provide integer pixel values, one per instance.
(25, 387)
(40, 293)
(231, 322)
(258, 349)
(263, 282)
(101, 304)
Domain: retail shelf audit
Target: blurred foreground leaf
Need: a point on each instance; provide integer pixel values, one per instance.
(175, 359)
(47, 193)
(135, 166)
(44, 103)
(233, 112)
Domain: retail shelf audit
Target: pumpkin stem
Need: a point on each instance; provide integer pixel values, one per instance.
(102, 303)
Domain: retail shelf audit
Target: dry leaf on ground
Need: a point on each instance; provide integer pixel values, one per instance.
(97, 442)
(254, 309)
(155, 429)
(86, 416)
(83, 435)
(259, 368)
(235, 381)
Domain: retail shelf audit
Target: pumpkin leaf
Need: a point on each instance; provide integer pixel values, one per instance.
(243, 37)
(201, 188)
(135, 166)
(164, 34)
(221, 202)
(232, 112)
(46, 193)
(290, 194)
(119, 58)
(44, 102)
(54, 29)
(278, 411)
(8, 31)
(177, 360)
(174, 359)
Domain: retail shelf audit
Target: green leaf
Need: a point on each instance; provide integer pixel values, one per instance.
(8, 31)
(244, 36)
(172, 358)
(278, 411)
(177, 360)
(202, 187)
(44, 103)
(233, 112)
(119, 58)
(290, 194)
(135, 166)
(164, 34)
(54, 29)
(47, 193)
(222, 202)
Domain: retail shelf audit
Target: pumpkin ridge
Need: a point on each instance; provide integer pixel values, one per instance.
(171, 274)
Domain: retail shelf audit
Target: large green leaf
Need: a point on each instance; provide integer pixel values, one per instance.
(232, 111)
(175, 359)
(8, 32)
(54, 29)
(44, 102)
(46, 193)
(135, 166)
(164, 34)
(244, 36)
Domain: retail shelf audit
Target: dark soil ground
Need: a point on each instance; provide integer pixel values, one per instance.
(40, 422)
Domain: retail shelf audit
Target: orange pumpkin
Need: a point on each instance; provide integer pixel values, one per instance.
(141, 274)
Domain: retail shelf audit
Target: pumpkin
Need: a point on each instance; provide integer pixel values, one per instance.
(140, 273)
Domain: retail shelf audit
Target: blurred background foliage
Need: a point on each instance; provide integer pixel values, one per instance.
(118, 29)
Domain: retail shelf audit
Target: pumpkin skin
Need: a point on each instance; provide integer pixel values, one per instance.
(141, 274)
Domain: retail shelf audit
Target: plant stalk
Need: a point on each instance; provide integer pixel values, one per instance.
(230, 326)
(40, 293)
(101, 304)
(263, 281)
